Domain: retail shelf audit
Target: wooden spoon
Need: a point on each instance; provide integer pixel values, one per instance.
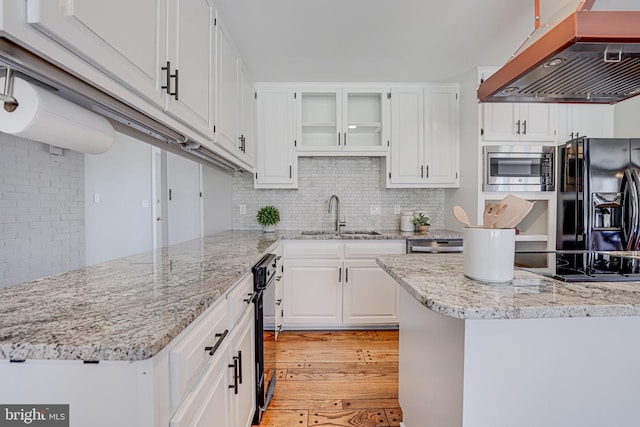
(461, 215)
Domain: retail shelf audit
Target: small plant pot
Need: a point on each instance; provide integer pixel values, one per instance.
(269, 228)
(422, 228)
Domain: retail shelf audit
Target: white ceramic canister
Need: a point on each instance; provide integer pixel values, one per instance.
(406, 221)
(488, 253)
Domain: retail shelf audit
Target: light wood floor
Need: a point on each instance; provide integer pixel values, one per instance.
(336, 378)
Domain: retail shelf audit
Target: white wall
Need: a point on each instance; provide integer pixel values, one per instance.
(626, 120)
(356, 181)
(118, 225)
(41, 211)
(217, 187)
(467, 195)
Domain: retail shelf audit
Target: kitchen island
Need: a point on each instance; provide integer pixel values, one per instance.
(532, 352)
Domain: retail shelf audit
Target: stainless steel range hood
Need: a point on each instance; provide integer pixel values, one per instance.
(590, 56)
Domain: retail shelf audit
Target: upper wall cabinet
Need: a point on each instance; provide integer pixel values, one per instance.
(235, 99)
(191, 59)
(276, 161)
(591, 120)
(167, 58)
(519, 122)
(424, 137)
(126, 46)
(347, 121)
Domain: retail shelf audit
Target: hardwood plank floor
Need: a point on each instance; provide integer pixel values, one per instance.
(337, 379)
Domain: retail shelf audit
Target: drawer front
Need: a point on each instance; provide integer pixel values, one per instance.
(188, 357)
(315, 250)
(373, 249)
(240, 298)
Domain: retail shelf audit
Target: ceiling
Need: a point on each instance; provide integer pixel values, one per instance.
(374, 40)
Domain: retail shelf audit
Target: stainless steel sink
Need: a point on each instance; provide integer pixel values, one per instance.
(361, 233)
(317, 233)
(346, 233)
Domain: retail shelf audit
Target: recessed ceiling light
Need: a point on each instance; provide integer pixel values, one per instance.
(553, 62)
(510, 89)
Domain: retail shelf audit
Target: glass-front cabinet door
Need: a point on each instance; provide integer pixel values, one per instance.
(342, 121)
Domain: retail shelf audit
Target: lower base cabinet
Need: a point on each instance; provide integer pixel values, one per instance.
(339, 284)
(224, 395)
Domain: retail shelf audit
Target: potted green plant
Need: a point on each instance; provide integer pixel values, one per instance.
(421, 222)
(268, 216)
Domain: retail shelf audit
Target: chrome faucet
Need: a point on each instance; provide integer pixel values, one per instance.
(338, 222)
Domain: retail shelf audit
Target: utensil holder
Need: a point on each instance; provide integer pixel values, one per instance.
(488, 254)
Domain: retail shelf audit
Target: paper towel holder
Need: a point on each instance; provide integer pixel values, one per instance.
(10, 103)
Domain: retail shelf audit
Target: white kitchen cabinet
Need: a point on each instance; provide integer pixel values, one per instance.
(228, 90)
(313, 291)
(338, 283)
(424, 137)
(276, 162)
(247, 138)
(191, 55)
(341, 121)
(131, 52)
(242, 350)
(590, 120)
(519, 122)
(370, 295)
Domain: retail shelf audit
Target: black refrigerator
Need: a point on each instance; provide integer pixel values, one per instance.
(598, 203)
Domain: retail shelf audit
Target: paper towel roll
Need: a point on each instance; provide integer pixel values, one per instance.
(45, 117)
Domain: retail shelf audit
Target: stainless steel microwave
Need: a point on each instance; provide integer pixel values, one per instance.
(518, 168)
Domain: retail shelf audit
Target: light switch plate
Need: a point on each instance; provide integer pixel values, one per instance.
(242, 209)
(375, 210)
(96, 197)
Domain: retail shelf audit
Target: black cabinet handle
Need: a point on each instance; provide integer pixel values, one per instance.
(345, 139)
(170, 194)
(169, 76)
(175, 93)
(279, 328)
(340, 275)
(346, 275)
(221, 337)
(250, 299)
(422, 171)
(338, 139)
(524, 127)
(518, 129)
(240, 365)
(427, 171)
(278, 302)
(234, 386)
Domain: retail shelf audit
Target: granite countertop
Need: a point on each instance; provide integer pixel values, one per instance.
(131, 308)
(438, 282)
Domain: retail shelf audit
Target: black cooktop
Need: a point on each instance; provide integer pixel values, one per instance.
(581, 266)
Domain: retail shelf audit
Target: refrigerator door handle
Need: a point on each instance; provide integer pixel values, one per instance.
(635, 213)
(628, 210)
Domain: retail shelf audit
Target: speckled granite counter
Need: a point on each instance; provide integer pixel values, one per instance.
(131, 308)
(437, 282)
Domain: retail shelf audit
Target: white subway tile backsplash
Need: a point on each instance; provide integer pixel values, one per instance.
(356, 181)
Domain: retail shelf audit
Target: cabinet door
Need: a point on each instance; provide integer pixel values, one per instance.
(227, 90)
(370, 294)
(364, 120)
(441, 135)
(276, 165)
(127, 46)
(208, 403)
(499, 121)
(537, 122)
(319, 125)
(593, 121)
(191, 50)
(313, 291)
(407, 135)
(243, 403)
(247, 142)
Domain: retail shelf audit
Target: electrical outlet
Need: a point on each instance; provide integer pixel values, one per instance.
(243, 209)
(96, 197)
(375, 210)
(396, 209)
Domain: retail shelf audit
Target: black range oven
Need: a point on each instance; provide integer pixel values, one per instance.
(264, 273)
